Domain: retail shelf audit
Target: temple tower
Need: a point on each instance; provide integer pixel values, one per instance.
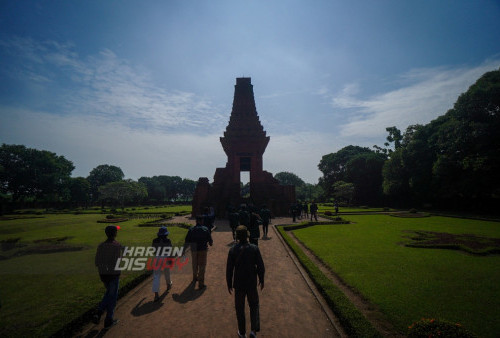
(244, 143)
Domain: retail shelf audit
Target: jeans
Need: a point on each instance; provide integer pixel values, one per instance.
(108, 302)
(157, 274)
(253, 302)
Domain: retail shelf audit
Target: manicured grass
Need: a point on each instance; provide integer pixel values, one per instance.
(40, 293)
(412, 283)
(353, 321)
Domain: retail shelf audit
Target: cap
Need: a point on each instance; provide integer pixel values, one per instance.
(163, 231)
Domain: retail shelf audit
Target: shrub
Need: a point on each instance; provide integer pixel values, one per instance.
(386, 209)
(412, 211)
(427, 327)
(328, 213)
(110, 216)
(113, 210)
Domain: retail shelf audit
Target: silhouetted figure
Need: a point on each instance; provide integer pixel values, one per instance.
(234, 221)
(108, 252)
(265, 216)
(197, 239)
(314, 211)
(161, 241)
(244, 265)
(254, 228)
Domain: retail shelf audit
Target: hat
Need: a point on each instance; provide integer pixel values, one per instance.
(111, 230)
(242, 232)
(163, 231)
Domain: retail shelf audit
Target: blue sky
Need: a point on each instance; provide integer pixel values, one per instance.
(148, 85)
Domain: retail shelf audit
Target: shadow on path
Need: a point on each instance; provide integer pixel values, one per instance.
(190, 293)
(146, 308)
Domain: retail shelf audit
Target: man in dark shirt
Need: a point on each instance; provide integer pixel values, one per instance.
(265, 215)
(106, 257)
(314, 210)
(244, 264)
(198, 238)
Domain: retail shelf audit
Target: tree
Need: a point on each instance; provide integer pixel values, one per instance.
(186, 189)
(80, 191)
(288, 178)
(123, 192)
(334, 166)
(102, 175)
(364, 171)
(32, 173)
(343, 191)
(454, 160)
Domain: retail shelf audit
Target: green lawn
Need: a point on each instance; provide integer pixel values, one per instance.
(411, 283)
(40, 293)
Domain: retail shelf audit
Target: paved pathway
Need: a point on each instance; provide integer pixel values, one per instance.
(288, 306)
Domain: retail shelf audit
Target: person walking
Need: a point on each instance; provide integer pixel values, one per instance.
(107, 255)
(159, 243)
(244, 265)
(254, 228)
(265, 216)
(314, 211)
(197, 239)
(234, 221)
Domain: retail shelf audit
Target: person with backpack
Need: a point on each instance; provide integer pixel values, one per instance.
(244, 266)
(197, 239)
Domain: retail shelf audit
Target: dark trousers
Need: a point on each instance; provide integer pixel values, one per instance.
(108, 301)
(253, 302)
(254, 241)
(265, 227)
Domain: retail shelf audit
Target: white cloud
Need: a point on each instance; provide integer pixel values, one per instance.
(106, 86)
(431, 94)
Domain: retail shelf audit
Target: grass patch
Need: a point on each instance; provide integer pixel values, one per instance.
(355, 324)
(42, 293)
(411, 283)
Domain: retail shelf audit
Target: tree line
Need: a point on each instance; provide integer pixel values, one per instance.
(453, 162)
(40, 178)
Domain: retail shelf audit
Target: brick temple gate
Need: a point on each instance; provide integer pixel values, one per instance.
(244, 143)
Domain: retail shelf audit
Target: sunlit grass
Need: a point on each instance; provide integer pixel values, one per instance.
(411, 283)
(40, 293)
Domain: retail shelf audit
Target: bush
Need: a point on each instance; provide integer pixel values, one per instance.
(110, 216)
(328, 213)
(113, 210)
(427, 327)
(386, 209)
(412, 211)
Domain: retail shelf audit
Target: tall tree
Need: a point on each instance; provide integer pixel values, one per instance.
(334, 166)
(454, 160)
(288, 178)
(80, 191)
(101, 175)
(364, 171)
(122, 192)
(33, 173)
